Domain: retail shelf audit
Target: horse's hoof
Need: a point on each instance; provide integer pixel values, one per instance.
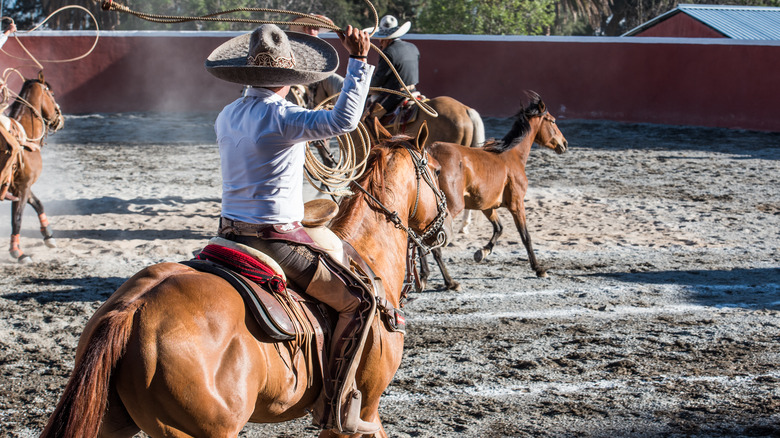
(24, 259)
(541, 273)
(480, 255)
(454, 286)
(50, 242)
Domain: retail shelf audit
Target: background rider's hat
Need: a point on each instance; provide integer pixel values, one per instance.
(389, 28)
(270, 57)
(310, 20)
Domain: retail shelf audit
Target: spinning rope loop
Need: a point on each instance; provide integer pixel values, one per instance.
(337, 178)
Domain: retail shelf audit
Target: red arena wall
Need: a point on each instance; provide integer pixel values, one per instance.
(706, 82)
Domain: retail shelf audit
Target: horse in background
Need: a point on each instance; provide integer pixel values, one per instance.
(173, 351)
(32, 116)
(494, 176)
(456, 122)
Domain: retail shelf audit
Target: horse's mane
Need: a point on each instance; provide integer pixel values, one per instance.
(17, 105)
(520, 128)
(373, 179)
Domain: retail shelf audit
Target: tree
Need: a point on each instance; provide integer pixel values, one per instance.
(615, 17)
(490, 17)
(74, 19)
(25, 13)
(581, 14)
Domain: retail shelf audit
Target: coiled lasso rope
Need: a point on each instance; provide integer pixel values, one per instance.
(335, 180)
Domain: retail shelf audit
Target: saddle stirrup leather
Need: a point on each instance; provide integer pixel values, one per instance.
(342, 400)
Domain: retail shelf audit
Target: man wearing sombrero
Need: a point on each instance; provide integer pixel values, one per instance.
(262, 144)
(403, 56)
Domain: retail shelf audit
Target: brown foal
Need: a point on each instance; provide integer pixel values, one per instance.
(494, 176)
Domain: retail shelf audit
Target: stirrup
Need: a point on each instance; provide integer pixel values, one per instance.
(351, 423)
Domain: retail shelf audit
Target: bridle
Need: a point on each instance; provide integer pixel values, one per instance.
(434, 235)
(54, 124)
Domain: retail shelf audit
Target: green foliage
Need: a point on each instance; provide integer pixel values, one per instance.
(342, 12)
(489, 17)
(579, 26)
(25, 13)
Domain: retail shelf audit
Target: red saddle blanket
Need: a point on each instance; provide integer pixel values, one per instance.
(245, 265)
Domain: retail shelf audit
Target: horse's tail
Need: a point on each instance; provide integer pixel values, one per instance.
(478, 138)
(82, 405)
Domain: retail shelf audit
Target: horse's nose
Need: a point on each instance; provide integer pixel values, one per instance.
(562, 147)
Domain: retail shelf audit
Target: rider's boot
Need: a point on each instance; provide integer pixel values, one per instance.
(339, 408)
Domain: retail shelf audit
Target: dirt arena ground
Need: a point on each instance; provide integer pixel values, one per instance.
(660, 318)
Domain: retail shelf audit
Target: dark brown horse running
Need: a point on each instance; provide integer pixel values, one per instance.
(494, 176)
(174, 353)
(37, 114)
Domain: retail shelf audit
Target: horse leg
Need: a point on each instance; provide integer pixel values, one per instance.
(48, 236)
(518, 213)
(449, 283)
(116, 420)
(17, 211)
(425, 270)
(492, 216)
(325, 155)
(464, 228)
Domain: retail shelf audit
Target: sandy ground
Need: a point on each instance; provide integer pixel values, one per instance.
(661, 316)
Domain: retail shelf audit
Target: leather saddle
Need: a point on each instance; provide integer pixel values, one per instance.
(284, 314)
(405, 114)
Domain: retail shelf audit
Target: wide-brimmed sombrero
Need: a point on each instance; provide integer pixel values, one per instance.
(389, 28)
(313, 19)
(271, 57)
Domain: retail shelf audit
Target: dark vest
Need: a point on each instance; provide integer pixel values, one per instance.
(405, 57)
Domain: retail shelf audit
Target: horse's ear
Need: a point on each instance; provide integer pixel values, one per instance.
(422, 135)
(542, 107)
(40, 77)
(380, 132)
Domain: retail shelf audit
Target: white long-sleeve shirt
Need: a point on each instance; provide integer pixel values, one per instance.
(262, 139)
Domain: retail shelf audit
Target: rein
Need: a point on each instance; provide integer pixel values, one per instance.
(24, 103)
(416, 242)
(435, 228)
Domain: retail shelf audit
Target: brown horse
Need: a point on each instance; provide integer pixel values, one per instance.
(174, 353)
(455, 123)
(38, 114)
(494, 176)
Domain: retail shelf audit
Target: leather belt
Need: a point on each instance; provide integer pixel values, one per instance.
(291, 232)
(246, 229)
